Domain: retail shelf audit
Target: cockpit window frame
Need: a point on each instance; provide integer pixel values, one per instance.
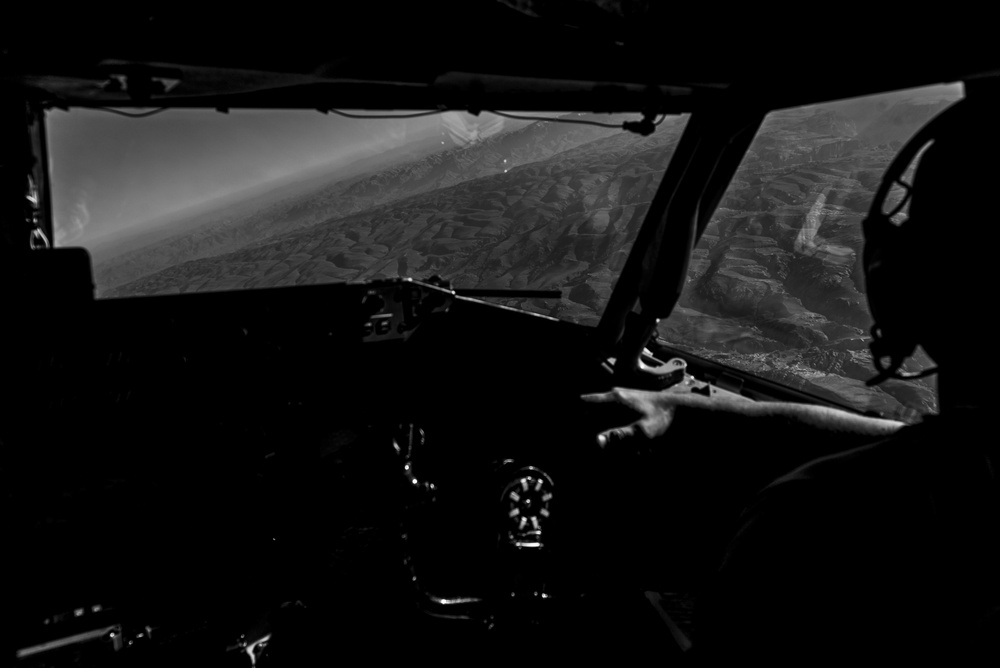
(710, 150)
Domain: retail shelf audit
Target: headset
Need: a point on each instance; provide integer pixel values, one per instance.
(895, 288)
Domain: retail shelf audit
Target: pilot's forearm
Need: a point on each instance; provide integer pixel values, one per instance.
(832, 420)
(845, 429)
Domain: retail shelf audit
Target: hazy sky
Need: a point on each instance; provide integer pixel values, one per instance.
(110, 173)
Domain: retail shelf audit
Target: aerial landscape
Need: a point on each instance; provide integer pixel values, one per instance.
(774, 287)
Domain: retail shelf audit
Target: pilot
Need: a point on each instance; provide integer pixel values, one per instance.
(887, 549)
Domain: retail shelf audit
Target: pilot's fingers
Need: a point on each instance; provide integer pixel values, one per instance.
(646, 429)
(617, 395)
(619, 435)
(609, 437)
(601, 397)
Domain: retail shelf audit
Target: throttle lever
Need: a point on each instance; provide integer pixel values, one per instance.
(408, 438)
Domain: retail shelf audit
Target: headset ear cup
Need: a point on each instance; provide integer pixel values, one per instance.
(881, 253)
(889, 299)
(894, 281)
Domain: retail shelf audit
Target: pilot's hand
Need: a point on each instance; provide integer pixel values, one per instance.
(655, 412)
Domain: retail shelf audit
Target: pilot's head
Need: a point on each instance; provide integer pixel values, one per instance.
(931, 280)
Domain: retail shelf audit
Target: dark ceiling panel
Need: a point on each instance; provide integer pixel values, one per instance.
(526, 54)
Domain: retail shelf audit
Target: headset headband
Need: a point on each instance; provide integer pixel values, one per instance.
(893, 175)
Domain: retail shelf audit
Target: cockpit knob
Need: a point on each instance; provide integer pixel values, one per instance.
(372, 304)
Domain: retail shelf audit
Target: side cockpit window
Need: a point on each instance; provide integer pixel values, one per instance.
(775, 286)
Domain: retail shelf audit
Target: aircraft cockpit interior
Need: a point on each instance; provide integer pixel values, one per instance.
(298, 315)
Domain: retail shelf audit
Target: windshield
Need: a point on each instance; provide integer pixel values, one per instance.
(775, 285)
(195, 200)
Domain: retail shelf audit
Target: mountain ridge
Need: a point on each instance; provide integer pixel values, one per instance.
(349, 195)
